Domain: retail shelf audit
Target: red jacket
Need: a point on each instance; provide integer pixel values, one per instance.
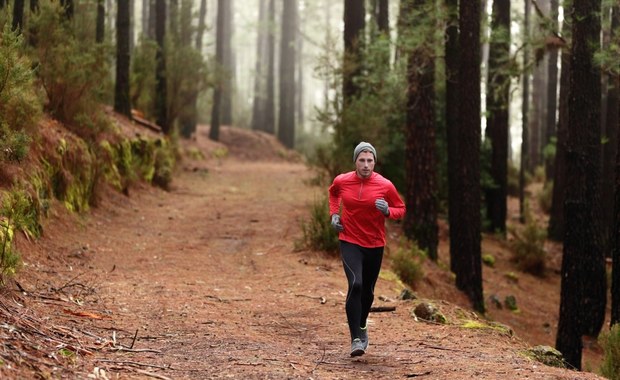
(363, 224)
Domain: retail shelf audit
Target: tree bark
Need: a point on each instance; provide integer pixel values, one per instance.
(452, 54)
(583, 291)
(161, 99)
(615, 232)
(100, 28)
(555, 228)
(18, 16)
(420, 222)
(552, 90)
(525, 115)
(286, 120)
(122, 103)
(610, 148)
(190, 121)
(258, 105)
(468, 267)
(498, 99)
(214, 131)
(228, 64)
(270, 108)
(354, 24)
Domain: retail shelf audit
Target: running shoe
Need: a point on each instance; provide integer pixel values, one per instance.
(357, 347)
(364, 337)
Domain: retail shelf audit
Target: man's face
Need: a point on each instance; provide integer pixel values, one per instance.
(365, 164)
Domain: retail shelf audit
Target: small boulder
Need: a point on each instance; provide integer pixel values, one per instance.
(428, 312)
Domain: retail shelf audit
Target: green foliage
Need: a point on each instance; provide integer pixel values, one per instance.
(513, 180)
(547, 355)
(187, 75)
(14, 145)
(318, 233)
(20, 108)
(376, 115)
(18, 212)
(164, 164)
(21, 211)
(488, 260)
(611, 345)
(127, 161)
(143, 66)
(539, 174)
(407, 264)
(74, 71)
(529, 246)
(545, 198)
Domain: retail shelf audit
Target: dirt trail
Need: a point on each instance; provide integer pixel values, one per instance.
(204, 282)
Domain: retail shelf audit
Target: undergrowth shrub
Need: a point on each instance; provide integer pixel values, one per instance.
(20, 107)
(18, 213)
(529, 246)
(545, 198)
(143, 82)
(611, 345)
(318, 233)
(73, 70)
(407, 264)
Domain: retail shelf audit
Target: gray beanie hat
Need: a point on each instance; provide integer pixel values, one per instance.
(362, 147)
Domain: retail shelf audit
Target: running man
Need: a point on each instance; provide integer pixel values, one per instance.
(367, 199)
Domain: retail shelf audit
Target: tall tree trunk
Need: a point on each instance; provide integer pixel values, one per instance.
(468, 267)
(270, 108)
(132, 27)
(286, 119)
(611, 125)
(122, 103)
(383, 17)
(537, 118)
(555, 228)
(498, 99)
(214, 132)
(452, 59)
(299, 93)
(552, 89)
(18, 16)
(583, 292)
(173, 21)
(228, 64)
(354, 24)
(525, 115)
(420, 222)
(258, 105)
(190, 120)
(615, 232)
(161, 102)
(152, 20)
(100, 28)
(145, 18)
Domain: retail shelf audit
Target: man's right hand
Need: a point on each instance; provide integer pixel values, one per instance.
(336, 224)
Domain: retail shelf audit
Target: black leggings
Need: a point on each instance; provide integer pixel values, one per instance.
(362, 266)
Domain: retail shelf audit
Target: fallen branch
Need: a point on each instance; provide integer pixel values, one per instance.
(136, 364)
(381, 309)
(151, 374)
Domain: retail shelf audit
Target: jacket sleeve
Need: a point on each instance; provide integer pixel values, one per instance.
(395, 203)
(334, 198)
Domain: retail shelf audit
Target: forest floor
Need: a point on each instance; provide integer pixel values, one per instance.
(207, 281)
